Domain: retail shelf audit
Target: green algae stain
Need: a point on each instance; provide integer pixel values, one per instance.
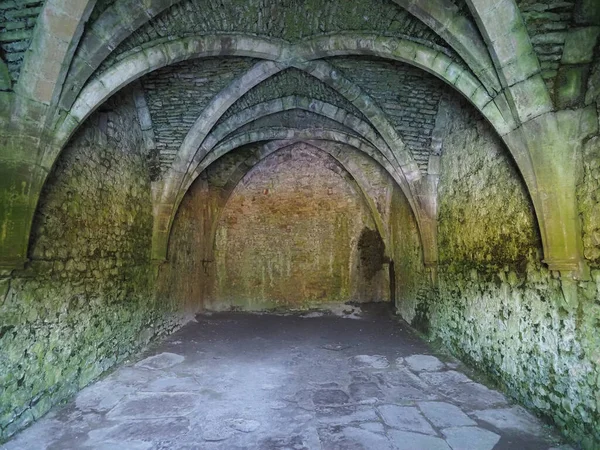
(496, 306)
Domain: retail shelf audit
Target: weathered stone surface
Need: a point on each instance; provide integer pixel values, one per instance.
(579, 45)
(330, 397)
(233, 411)
(280, 20)
(405, 440)
(365, 391)
(176, 96)
(17, 21)
(214, 432)
(296, 203)
(244, 425)
(102, 396)
(442, 378)
(470, 438)
(173, 384)
(154, 405)
(351, 437)
(473, 395)
(139, 430)
(444, 415)
(86, 298)
(411, 106)
(405, 418)
(515, 419)
(162, 361)
(496, 304)
(370, 361)
(84, 302)
(427, 363)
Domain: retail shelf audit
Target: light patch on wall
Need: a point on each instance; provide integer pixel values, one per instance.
(296, 245)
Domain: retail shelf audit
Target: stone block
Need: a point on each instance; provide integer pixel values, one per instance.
(60, 25)
(444, 415)
(587, 12)
(570, 86)
(579, 45)
(405, 418)
(513, 419)
(5, 80)
(428, 363)
(404, 440)
(470, 438)
(531, 98)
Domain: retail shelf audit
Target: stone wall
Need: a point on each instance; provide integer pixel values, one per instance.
(295, 233)
(408, 96)
(495, 305)
(279, 19)
(178, 94)
(589, 200)
(295, 118)
(85, 301)
(188, 276)
(291, 82)
(289, 235)
(17, 21)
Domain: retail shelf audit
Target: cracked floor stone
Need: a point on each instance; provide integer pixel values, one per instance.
(244, 381)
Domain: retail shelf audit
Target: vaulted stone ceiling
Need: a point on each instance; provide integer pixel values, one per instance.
(217, 86)
(359, 57)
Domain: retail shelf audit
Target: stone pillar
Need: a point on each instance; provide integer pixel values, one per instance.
(426, 197)
(161, 231)
(553, 142)
(21, 176)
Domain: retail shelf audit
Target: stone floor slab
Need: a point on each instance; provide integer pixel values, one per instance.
(420, 363)
(473, 396)
(140, 430)
(444, 378)
(405, 440)
(173, 384)
(155, 405)
(243, 425)
(102, 396)
(364, 439)
(444, 415)
(470, 438)
(515, 418)
(162, 361)
(405, 418)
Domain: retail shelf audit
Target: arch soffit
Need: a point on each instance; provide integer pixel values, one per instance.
(283, 55)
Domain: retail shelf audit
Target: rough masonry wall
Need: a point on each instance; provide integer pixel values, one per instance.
(289, 237)
(408, 96)
(588, 191)
(188, 277)
(85, 301)
(496, 306)
(295, 118)
(547, 22)
(287, 83)
(17, 21)
(280, 19)
(177, 95)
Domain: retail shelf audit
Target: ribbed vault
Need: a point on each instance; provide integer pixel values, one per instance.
(431, 119)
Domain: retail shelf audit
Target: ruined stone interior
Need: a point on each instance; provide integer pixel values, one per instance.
(197, 196)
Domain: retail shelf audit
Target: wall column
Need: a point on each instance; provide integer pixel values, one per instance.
(553, 143)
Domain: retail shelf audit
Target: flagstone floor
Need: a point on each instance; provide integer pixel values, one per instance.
(312, 381)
